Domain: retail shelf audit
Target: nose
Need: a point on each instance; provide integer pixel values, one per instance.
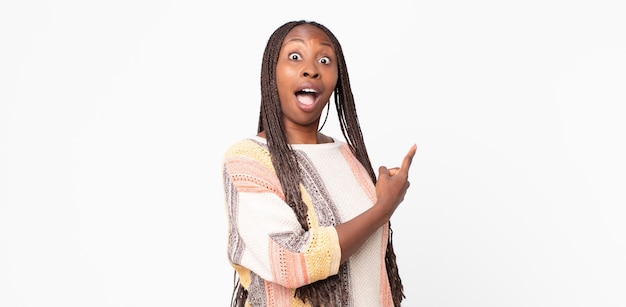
(311, 71)
(312, 75)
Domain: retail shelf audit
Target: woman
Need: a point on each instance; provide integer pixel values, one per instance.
(308, 219)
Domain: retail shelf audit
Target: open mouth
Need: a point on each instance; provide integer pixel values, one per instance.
(306, 96)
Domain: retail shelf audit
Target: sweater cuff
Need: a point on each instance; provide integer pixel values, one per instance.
(335, 251)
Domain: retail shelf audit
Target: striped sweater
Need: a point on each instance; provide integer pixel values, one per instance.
(268, 248)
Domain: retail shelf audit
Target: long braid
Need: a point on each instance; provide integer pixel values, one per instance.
(329, 291)
(283, 159)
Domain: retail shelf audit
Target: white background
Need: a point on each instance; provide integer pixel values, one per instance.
(114, 116)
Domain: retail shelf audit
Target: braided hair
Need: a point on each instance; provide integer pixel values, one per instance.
(329, 291)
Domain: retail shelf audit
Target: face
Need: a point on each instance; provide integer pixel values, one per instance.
(306, 75)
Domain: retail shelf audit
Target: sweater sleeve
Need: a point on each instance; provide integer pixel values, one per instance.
(264, 234)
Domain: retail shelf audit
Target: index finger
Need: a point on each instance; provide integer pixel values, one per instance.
(406, 162)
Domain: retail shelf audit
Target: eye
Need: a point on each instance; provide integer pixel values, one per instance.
(324, 60)
(294, 56)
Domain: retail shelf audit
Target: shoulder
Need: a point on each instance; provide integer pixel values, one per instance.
(251, 151)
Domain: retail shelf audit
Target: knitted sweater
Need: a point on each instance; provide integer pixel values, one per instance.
(268, 248)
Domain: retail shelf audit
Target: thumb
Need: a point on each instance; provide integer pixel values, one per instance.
(383, 171)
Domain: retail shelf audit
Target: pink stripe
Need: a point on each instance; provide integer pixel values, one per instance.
(248, 175)
(288, 268)
(362, 177)
(277, 295)
(386, 299)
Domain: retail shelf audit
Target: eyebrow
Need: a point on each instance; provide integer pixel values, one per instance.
(295, 39)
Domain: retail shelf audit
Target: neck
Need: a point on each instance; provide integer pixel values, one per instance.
(304, 138)
(302, 134)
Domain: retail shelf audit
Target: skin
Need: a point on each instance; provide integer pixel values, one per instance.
(307, 59)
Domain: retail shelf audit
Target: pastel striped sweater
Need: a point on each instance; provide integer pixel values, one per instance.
(268, 248)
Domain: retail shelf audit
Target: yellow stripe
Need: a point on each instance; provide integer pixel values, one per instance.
(252, 150)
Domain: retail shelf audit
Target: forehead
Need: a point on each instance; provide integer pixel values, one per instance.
(307, 32)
